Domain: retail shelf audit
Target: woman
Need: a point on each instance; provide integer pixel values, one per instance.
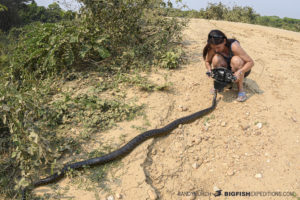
(222, 52)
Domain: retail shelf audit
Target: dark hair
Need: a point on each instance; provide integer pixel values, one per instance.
(214, 37)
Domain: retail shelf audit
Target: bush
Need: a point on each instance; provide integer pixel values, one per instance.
(215, 11)
(131, 35)
(139, 34)
(241, 14)
(45, 50)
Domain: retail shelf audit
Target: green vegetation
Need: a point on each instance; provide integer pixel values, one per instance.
(237, 14)
(19, 12)
(2, 8)
(50, 49)
(99, 52)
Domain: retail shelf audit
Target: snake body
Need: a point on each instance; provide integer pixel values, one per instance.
(124, 150)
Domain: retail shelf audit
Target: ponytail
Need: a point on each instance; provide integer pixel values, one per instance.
(205, 51)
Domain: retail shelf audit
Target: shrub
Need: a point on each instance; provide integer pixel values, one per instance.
(44, 50)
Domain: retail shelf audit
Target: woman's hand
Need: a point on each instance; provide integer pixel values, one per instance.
(238, 74)
(208, 73)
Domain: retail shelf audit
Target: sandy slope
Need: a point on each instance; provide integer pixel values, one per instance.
(225, 149)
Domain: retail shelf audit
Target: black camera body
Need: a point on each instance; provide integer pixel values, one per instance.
(222, 77)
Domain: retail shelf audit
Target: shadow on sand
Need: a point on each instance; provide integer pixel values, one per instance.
(250, 86)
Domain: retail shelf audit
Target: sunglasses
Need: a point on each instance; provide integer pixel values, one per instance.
(215, 39)
(215, 36)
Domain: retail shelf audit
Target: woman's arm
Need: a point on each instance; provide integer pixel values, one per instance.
(208, 60)
(239, 51)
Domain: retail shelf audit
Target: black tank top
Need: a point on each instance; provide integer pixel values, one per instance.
(230, 55)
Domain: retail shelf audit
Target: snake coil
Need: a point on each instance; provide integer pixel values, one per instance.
(124, 150)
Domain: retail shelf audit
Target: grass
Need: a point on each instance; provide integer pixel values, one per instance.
(139, 128)
(206, 119)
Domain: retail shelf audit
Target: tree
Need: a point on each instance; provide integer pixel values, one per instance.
(23, 12)
(9, 17)
(54, 13)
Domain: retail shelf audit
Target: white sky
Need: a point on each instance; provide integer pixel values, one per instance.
(64, 4)
(281, 8)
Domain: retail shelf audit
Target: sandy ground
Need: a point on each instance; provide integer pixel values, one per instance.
(240, 147)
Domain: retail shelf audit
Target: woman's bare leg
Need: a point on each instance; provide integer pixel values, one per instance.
(218, 61)
(236, 64)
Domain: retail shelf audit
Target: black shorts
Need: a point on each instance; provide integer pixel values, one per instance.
(247, 73)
